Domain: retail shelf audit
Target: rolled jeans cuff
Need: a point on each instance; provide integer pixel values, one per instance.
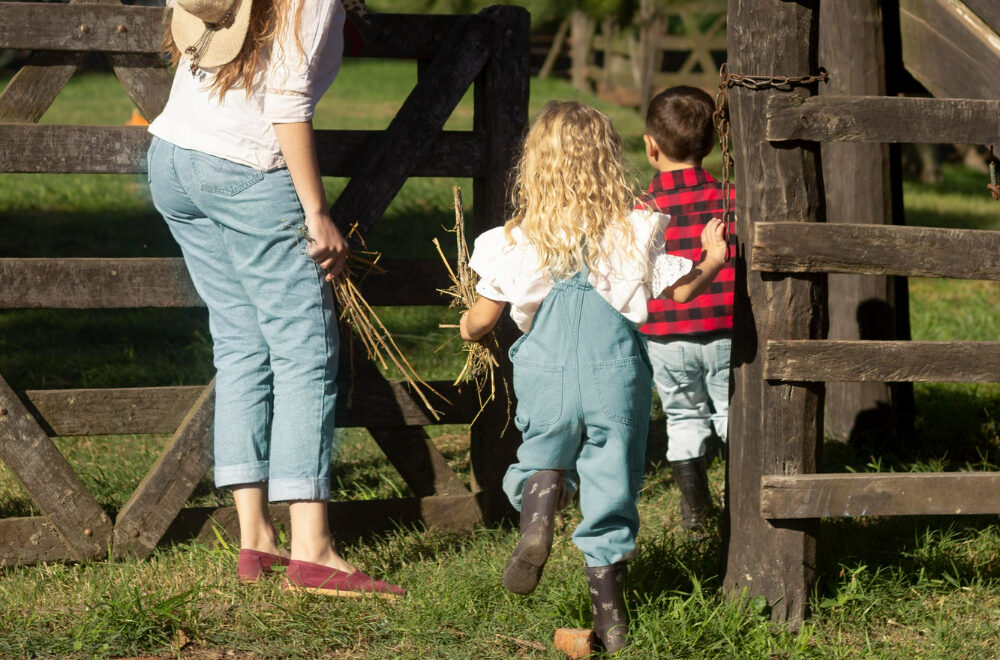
(242, 473)
(285, 490)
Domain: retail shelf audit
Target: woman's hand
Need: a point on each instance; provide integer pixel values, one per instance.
(713, 241)
(327, 246)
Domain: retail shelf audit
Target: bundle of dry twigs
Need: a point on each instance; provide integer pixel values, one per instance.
(480, 361)
(362, 319)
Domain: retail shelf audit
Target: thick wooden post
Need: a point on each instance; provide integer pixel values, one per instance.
(856, 182)
(501, 115)
(775, 428)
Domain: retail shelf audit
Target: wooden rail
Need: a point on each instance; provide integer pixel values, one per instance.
(827, 360)
(882, 119)
(789, 497)
(797, 247)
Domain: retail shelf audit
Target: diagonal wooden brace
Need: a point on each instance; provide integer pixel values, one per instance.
(417, 124)
(50, 481)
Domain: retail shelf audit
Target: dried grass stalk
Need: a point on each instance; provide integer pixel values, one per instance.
(480, 360)
(356, 313)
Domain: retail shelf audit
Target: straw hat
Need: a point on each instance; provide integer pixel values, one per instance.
(210, 32)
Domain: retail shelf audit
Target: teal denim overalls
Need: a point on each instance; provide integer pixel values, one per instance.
(583, 383)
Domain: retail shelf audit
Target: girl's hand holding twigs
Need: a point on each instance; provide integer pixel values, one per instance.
(713, 241)
(463, 327)
(327, 246)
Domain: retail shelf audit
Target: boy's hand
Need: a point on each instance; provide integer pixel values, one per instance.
(713, 241)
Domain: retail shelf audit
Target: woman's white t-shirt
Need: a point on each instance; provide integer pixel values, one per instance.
(239, 127)
(512, 273)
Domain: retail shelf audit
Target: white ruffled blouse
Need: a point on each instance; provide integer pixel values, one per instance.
(512, 273)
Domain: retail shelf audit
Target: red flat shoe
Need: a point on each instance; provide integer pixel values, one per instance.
(326, 581)
(252, 565)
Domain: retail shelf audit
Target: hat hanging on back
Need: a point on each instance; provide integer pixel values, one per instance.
(210, 32)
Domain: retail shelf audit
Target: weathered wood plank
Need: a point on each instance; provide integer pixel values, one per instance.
(127, 283)
(774, 429)
(80, 27)
(169, 483)
(455, 513)
(506, 76)
(147, 83)
(35, 86)
(883, 361)
(50, 481)
(856, 184)
(122, 150)
(883, 119)
(855, 495)
(30, 541)
(395, 153)
(56, 27)
(877, 250)
(949, 49)
(987, 10)
(418, 461)
(157, 410)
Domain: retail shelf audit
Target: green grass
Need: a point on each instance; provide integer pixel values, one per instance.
(887, 588)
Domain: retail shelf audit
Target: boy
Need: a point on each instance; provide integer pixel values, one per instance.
(689, 344)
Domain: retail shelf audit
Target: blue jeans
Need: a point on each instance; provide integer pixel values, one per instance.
(692, 378)
(583, 385)
(271, 316)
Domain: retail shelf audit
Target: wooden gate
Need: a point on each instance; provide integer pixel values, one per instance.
(489, 50)
(780, 358)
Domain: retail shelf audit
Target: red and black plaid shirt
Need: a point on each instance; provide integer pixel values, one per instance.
(692, 197)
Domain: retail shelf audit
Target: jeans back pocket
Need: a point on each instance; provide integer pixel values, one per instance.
(221, 176)
(539, 390)
(624, 387)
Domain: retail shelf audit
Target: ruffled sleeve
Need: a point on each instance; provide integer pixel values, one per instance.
(302, 60)
(664, 269)
(486, 262)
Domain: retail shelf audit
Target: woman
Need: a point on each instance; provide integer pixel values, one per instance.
(233, 171)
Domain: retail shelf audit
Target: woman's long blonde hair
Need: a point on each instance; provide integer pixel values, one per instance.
(571, 197)
(267, 19)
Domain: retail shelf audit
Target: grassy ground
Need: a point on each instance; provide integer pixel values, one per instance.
(888, 588)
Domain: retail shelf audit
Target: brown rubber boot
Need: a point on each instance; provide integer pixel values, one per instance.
(692, 480)
(543, 494)
(607, 595)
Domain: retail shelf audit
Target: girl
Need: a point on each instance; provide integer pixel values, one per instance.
(233, 171)
(577, 266)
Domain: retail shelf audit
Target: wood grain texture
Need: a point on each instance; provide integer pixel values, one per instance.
(367, 402)
(856, 184)
(122, 150)
(418, 461)
(50, 481)
(348, 520)
(950, 50)
(774, 429)
(34, 87)
(883, 361)
(493, 437)
(883, 119)
(164, 282)
(394, 154)
(145, 80)
(169, 483)
(30, 541)
(987, 10)
(792, 247)
(857, 495)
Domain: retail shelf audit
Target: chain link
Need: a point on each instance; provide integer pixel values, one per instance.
(722, 126)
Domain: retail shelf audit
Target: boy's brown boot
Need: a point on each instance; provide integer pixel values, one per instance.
(607, 595)
(692, 481)
(543, 494)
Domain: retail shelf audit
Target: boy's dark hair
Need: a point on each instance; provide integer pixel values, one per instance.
(679, 119)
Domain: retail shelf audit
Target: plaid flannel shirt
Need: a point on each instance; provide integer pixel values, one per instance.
(692, 197)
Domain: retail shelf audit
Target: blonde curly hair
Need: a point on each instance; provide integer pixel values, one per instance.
(571, 197)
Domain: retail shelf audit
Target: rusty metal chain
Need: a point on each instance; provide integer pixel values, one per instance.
(722, 126)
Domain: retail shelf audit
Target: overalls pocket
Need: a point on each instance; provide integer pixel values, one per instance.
(539, 391)
(221, 176)
(624, 387)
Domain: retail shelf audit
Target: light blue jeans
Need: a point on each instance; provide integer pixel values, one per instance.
(270, 314)
(692, 378)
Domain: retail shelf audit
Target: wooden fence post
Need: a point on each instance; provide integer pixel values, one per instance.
(775, 427)
(501, 127)
(856, 182)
